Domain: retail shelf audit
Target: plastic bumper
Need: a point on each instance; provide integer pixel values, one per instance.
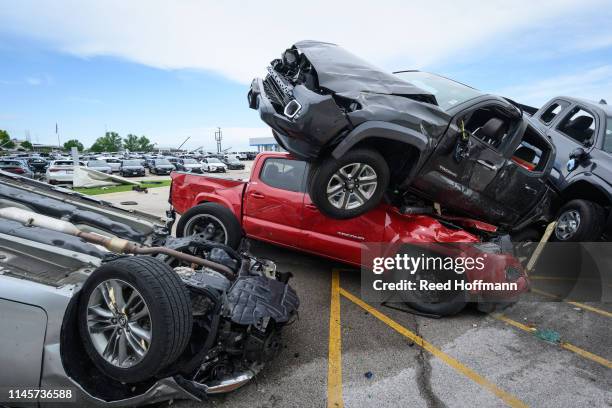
(317, 122)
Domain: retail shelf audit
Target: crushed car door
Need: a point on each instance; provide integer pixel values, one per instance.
(522, 180)
(489, 130)
(274, 202)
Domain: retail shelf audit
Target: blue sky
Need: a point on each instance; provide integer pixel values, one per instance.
(172, 70)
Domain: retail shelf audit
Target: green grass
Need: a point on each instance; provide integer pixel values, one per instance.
(121, 188)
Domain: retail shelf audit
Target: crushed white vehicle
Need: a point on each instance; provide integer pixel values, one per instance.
(104, 302)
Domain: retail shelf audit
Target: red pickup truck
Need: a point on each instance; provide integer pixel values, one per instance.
(273, 206)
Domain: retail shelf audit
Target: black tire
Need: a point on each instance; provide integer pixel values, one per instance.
(592, 218)
(169, 307)
(219, 214)
(322, 174)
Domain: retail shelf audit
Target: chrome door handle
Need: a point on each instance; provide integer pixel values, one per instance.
(487, 164)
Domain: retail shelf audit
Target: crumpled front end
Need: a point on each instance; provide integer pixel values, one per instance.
(310, 95)
(237, 322)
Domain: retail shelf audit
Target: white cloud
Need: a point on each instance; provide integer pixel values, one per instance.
(593, 84)
(238, 39)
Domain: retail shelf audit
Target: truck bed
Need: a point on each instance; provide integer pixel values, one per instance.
(190, 188)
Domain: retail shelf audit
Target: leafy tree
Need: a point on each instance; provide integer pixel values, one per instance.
(26, 145)
(110, 142)
(137, 144)
(5, 140)
(73, 143)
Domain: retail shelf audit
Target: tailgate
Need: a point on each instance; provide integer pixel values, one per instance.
(189, 190)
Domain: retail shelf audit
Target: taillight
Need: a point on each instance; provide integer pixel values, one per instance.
(54, 170)
(16, 170)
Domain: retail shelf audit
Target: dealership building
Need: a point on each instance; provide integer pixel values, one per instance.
(265, 144)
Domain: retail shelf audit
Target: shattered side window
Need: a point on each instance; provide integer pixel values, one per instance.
(607, 145)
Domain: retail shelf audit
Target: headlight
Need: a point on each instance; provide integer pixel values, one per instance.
(212, 167)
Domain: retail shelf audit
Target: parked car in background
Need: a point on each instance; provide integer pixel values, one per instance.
(172, 160)
(114, 163)
(160, 167)
(131, 167)
(38, 164)
(189, 164)
(99, 165)
(213, 165)
(233, 163)
(582, 173)
(61, 171)
(16, 167)
(415, 137)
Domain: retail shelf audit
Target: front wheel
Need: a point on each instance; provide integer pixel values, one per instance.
(350, 186)
(580, 221)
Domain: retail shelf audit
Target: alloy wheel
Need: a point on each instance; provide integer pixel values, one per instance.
(119, 323)
(567, 225)
(352, 186)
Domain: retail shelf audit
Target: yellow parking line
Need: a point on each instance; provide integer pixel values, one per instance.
(564, 278)
(577, 304)
(334, 359)
(453, 363)
(564, 345)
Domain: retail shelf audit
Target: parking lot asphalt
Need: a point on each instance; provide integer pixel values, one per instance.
(346, 352)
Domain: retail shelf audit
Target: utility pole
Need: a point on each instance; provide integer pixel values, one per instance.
(59, 145)
(218, 138)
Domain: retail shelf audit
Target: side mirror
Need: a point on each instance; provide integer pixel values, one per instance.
(578, 154)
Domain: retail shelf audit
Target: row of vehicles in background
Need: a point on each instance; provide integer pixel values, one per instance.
(59, 169)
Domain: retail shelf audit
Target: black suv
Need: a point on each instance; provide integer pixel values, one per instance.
(410, 134)
(582, 133)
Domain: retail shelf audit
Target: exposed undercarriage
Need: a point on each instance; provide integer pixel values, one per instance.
(106, 261)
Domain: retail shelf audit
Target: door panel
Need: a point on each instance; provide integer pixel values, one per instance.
(341, 239)
(274, 203)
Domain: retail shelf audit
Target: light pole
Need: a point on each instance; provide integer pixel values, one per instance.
(218, 138)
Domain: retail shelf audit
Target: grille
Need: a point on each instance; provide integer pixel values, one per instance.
(274, 93)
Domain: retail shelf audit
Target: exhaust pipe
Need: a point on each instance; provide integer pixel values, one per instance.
(117, 245)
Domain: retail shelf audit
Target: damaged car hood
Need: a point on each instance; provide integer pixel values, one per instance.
(342, 72)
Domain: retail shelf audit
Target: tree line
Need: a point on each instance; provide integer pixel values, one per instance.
(110, 142)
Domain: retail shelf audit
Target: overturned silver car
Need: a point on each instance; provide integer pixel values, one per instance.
(104, 302)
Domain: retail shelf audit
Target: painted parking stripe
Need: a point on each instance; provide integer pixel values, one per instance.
(577, 304)
(567, 346)
(334, 358)
(563, 278)
(453, 363)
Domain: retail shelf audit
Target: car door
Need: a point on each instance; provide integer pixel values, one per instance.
(575, 128)
(274, 202)
(343, 240)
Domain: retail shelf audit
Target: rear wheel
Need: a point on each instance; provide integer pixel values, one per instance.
(350, 186)
(135, 318)
(214, 221)
(580, 221)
